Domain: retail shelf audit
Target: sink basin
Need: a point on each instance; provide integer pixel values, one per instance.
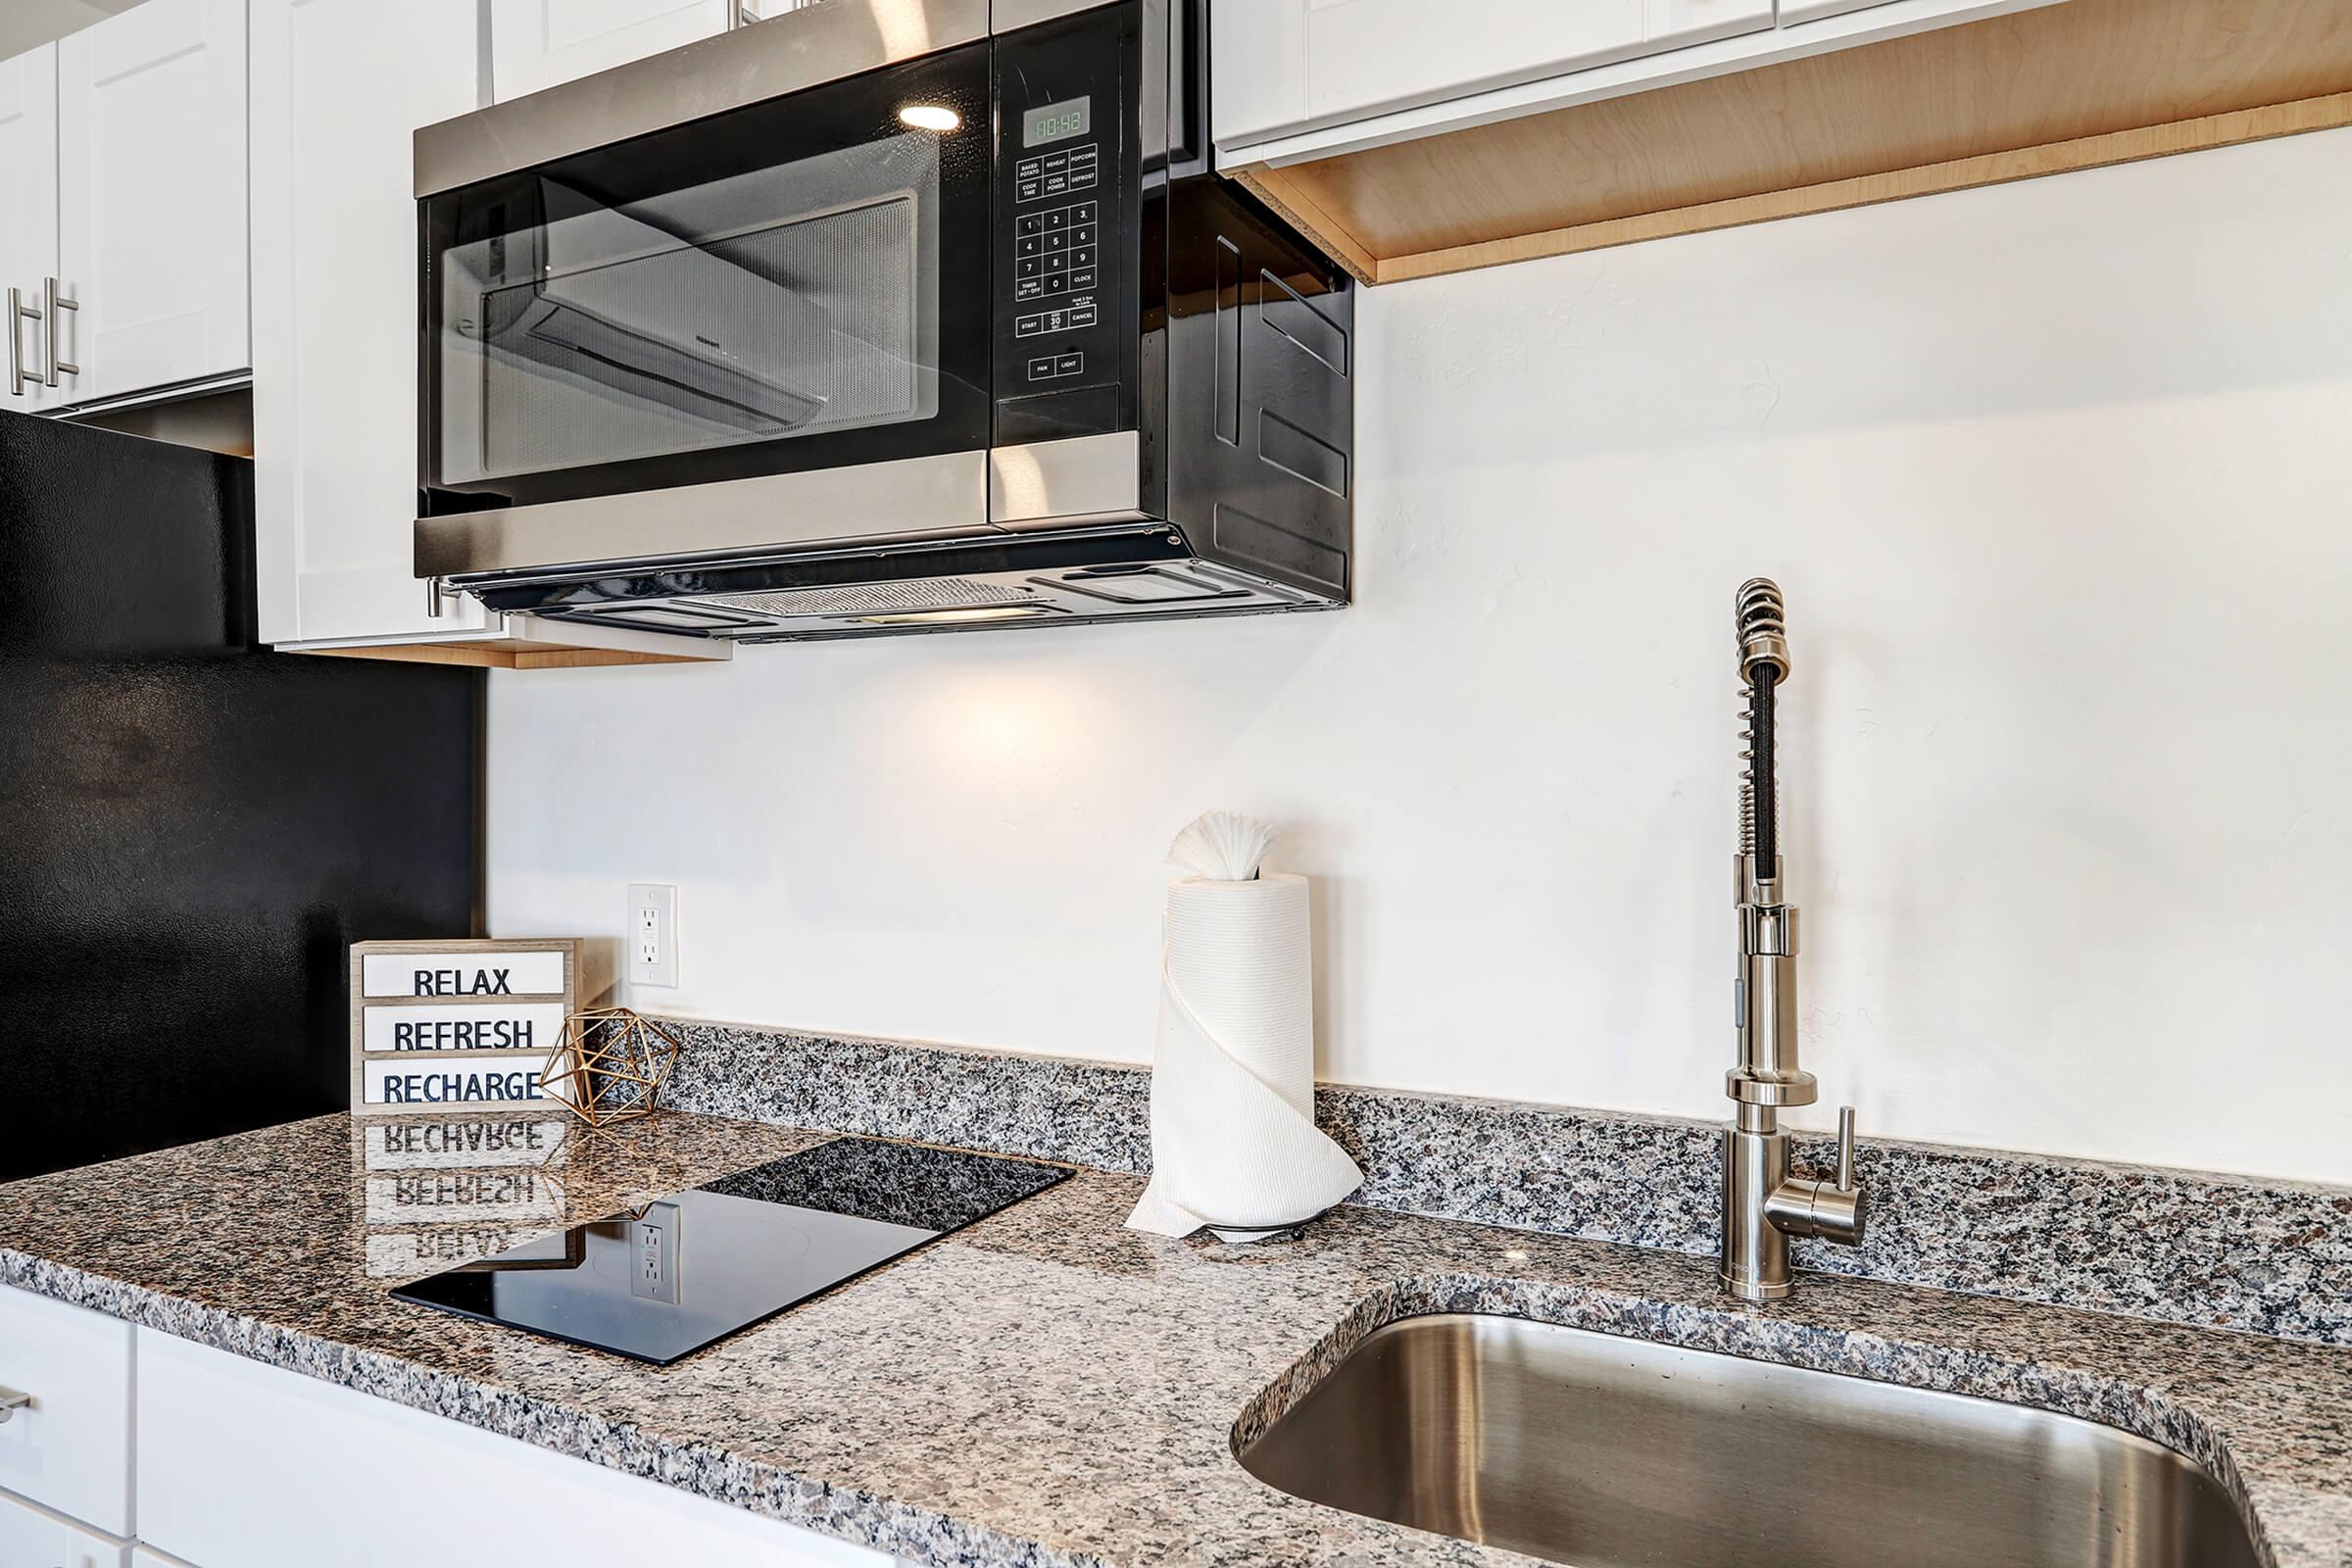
(1600, 1450)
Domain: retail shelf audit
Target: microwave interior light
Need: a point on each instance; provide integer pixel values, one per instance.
(930, 117)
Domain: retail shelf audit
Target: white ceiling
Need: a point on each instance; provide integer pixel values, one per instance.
(25, 24)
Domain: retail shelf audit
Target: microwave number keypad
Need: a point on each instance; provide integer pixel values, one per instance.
(1053, 252)
(1053, 175)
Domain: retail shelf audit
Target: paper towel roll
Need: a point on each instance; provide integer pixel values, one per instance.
(1234, 1140)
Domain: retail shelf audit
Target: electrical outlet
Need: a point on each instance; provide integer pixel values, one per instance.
(654, 1247)
(650, 937)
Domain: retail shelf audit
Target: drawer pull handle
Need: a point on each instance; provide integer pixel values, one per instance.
(11, 1402)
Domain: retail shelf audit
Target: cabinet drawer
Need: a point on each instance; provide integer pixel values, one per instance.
(381, 1486)
(35, 1538)
(69, 1449)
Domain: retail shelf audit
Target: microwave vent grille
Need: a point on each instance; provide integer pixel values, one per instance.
(872, 598)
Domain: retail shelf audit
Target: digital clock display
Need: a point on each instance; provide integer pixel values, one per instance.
(1055, 121)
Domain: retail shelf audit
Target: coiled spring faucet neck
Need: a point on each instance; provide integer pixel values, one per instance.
(1762, 622)
(1764, 1202)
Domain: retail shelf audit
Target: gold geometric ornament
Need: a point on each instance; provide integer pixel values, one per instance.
(609, 1065)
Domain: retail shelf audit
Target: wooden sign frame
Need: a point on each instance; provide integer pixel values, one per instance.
(459, 998)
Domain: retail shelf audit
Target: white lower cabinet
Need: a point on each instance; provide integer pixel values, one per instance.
(141, 1450)
(67, 1451)
(35, 1538)
(242, 1465)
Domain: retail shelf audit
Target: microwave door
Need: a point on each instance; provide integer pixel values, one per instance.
(632, 314)
(793, 287)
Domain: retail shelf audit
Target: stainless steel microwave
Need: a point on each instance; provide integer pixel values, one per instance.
(878, 317)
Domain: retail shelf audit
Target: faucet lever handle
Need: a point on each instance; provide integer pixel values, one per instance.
(1845, 1149)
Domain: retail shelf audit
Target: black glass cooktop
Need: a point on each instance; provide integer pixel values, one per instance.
(696, 1266)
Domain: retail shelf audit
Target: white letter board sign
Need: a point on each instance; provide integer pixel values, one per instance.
(458, 1026)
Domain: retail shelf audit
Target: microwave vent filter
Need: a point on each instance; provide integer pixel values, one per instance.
(873, 599)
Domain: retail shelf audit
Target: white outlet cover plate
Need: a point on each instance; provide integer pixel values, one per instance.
(649, 942)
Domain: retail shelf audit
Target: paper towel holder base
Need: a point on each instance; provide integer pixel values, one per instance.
(1259, 1235)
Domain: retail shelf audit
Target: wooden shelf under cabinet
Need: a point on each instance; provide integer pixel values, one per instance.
(527, 642)
(2073, 85)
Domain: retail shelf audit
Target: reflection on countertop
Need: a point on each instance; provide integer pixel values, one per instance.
(1047, 1386)
(441, 1190)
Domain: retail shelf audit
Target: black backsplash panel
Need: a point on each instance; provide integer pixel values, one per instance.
(192, 829)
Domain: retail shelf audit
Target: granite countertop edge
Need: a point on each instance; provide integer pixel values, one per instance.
(924, 1533)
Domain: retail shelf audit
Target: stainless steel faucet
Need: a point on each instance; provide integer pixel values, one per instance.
(1763, 1204)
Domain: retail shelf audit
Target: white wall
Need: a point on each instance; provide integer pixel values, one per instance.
(2058, 480)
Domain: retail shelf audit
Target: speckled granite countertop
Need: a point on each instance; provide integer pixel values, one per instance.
(1048, 1387)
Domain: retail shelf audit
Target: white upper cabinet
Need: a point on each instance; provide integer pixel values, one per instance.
(152, 234)
(28, 213)
(1285, 66)
(1813, 10)
(339, 87)
(537, 43)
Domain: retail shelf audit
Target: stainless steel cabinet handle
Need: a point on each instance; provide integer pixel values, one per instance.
(58, 306)
(12, 1399)
(17, 379)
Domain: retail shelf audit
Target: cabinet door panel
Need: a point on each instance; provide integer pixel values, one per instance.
(151, 187)
(1795, 10)
(1366, 57)
(537, 43)
(28, 199)
(70, 1451)
(1680, 24)
(38, 1538)
(1284, 66)
(338, 88)
(387, 1487)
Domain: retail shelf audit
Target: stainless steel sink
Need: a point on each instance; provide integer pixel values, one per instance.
(1597, 1450)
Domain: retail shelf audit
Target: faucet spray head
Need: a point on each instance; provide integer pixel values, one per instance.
(1763, 623)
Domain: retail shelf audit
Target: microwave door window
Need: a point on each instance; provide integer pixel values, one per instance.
(776, 303)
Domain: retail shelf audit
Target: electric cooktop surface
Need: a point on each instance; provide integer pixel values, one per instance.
(696, 1266)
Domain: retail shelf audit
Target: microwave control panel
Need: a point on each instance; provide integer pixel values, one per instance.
(1065, 291)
